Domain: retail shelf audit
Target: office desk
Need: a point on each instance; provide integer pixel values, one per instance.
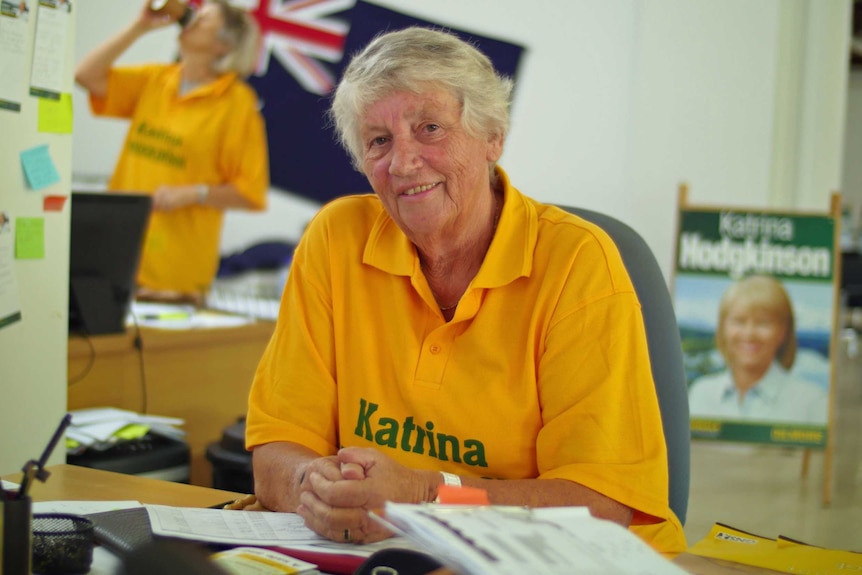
(68, 482)
(73, 483)
(200, 375)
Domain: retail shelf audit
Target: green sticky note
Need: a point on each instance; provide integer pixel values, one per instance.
(55, 116)
(30, 238)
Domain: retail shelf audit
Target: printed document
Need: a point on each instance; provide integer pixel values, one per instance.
(502, 540)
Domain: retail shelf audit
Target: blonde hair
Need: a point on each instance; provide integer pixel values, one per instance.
(414, 60)
(761, 292)
(241, 34)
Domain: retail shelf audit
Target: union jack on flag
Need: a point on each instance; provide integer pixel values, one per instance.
(303, 48)
(300, 33)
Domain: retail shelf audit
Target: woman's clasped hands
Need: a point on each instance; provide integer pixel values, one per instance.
(337, 493)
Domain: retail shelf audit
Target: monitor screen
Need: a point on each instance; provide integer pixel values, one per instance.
(106, 235)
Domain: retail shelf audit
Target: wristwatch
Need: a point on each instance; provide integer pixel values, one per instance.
(448, 479)
(203, 193)
(451, 479)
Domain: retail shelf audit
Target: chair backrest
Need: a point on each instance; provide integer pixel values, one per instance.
(665, 349)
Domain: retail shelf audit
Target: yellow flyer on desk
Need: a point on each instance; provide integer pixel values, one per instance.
(725, 542)
(257, 561)
(810, 559)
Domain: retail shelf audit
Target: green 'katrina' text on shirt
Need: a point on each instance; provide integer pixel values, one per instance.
(388, 432)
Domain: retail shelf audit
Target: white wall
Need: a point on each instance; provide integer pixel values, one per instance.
(618, 102)
(33, 350)
(701, 111)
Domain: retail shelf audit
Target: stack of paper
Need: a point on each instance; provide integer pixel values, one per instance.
(103, 427)
(781, 554)
(180, 317)
(497, 540)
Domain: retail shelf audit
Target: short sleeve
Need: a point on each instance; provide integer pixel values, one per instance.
(125, 86)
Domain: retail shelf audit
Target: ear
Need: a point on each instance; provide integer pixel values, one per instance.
(495, 148)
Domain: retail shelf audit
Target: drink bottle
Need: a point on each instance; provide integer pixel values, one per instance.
(177, 9)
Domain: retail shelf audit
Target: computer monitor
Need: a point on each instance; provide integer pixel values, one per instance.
(106, 235)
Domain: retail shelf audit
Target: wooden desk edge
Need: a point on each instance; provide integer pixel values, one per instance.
(155, 338)
(74, 483)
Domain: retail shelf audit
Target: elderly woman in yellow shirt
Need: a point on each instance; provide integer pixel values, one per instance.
(448, 329)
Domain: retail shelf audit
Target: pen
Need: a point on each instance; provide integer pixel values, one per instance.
(222, 505)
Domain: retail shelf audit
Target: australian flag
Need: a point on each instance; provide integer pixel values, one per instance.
(307, 44)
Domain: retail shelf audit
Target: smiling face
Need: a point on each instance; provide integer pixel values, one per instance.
(752, 336)
(429, 173)
(756, 326)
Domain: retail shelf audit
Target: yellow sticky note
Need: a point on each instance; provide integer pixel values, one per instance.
(55, 116)
(29, 238)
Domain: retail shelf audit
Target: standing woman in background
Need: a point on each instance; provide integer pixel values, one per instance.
(196, 142)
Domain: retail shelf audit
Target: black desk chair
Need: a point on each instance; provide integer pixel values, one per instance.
(665, 349)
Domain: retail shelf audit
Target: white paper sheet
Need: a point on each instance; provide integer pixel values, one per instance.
(259, 528)
(513, 541)
(99, 424)
(14, 41)
(175, 316)
(10, 298)
(49, 50)
(82, 507)
(94, 415)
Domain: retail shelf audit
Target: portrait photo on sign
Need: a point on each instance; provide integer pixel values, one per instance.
(756, 349)
(754, 297)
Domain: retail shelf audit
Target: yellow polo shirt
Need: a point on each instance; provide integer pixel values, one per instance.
(543, 371)
(212, 135)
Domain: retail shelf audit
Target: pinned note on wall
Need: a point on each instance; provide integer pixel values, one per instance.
(55, 116)
(29, 238)
(10, 301)
(53, 203)
(39, 167)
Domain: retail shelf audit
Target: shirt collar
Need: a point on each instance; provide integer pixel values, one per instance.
(509, 256)
(767, 388)
(215, 88)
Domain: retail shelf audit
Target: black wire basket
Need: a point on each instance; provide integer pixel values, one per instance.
(62, 544)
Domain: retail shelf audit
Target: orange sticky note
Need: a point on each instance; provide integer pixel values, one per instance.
(53, 203)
